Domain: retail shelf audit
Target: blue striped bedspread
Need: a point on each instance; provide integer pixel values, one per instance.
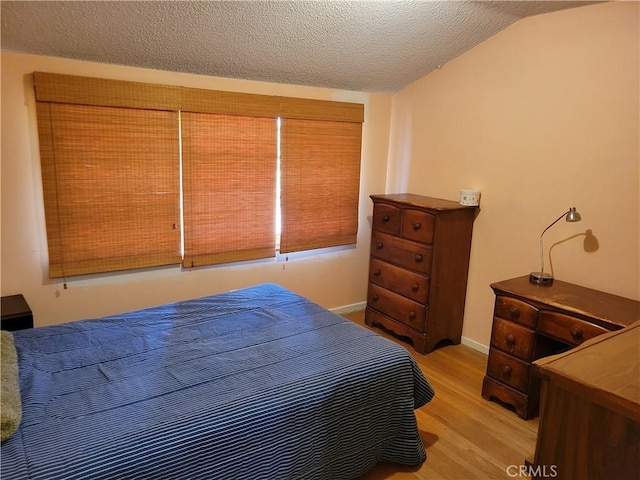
(258, 383)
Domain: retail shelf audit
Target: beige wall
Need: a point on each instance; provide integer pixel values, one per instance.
(333, 279)
(541, 117)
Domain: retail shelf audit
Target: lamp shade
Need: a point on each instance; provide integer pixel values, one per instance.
(573, 215)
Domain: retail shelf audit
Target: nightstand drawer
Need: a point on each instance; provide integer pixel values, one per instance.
(509, 370)
(401, 252)
(513, 339)
(407, 312)
(417, 226)
(386, 218)
(516, 311)
(567, 328)
(409, 284)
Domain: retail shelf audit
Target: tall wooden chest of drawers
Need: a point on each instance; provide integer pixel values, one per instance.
(532, 321)
(418, 268)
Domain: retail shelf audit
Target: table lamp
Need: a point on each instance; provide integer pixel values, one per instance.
(543, 277)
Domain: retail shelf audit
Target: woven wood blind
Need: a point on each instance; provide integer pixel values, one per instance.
(111, 173)
(320, 163)
(111, 187)
(229, 182)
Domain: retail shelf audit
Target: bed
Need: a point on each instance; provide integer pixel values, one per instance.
(249, 384)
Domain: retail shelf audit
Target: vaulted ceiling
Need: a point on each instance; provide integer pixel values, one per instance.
(373, 46)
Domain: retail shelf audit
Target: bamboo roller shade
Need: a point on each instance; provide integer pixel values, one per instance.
(320, 184)
(111, 187)
(229, 203)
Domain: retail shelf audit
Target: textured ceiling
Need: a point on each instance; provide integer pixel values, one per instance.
(373, 46)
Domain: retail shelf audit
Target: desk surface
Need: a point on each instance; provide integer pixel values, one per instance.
(604, 370)
(610, 311)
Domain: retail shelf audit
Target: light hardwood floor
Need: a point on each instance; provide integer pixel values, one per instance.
(466, 437)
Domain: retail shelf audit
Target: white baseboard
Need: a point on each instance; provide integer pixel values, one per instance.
(475, 345)
(357, 307)
(354, 307)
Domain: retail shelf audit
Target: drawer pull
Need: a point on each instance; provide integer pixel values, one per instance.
(514, 312)
(386, 218)
(506, 371)
(417, 226)
(412, 315)
(377, 272)
(418, 257)
(379, 245)
(375, 298)
(415, 287)
(577, 333)
(511, 339)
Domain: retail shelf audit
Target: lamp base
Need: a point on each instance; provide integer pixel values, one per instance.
(542, 278)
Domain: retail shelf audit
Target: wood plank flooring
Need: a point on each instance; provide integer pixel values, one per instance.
(466, 437)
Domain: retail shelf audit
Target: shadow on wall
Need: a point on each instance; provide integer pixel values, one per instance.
(590, 244)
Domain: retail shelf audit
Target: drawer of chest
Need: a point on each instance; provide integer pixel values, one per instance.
(516, 311)
(509, 370)
(408, 312)
(401, 252)
(513, 339)
(569, 329)
(386, 218)
(405, 282)
(418, 226)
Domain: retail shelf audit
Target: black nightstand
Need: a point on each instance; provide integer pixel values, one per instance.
(15, 313)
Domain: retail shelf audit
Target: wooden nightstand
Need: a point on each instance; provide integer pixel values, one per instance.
(532, 321)
(15, 313)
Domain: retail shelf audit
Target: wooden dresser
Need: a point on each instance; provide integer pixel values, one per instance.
(418, 269)
(532, 321)
(590, 409)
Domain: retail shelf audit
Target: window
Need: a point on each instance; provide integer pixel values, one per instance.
(114, 155)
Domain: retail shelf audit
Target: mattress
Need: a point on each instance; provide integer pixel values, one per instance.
(250, 384)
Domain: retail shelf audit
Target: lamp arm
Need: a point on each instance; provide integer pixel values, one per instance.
(541, 235)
